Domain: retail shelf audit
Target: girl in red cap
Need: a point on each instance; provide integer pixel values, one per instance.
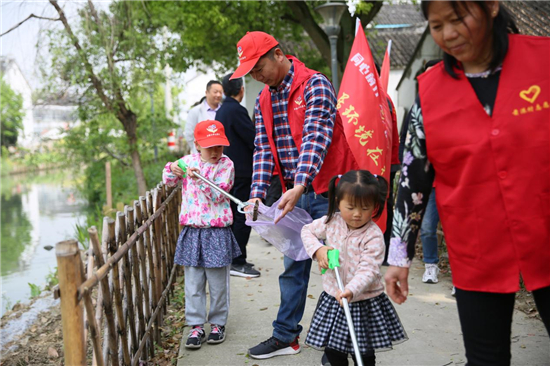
(206, 245)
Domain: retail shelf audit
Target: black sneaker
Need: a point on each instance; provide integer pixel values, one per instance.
(274, 347)
(217, 334)
(196, 337)
(248, 264)
(242, 270)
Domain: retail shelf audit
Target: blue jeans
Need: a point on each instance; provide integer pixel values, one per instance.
(428, 231)
(294, 280)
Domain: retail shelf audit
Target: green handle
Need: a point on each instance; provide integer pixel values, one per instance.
(333, 256)
(183, 166)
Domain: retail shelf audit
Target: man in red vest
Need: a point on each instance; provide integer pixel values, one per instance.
(299, 135)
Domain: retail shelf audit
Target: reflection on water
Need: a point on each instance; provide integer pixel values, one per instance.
(37, 210)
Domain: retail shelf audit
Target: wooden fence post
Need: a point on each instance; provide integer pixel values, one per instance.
(69, 269)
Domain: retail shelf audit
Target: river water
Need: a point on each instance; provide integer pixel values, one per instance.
(38, 210)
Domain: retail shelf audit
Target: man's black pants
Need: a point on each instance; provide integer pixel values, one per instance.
(241, 190)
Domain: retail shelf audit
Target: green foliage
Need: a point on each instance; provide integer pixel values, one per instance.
(35, 290)
(11, 114)
(15, 229)
(51, 279)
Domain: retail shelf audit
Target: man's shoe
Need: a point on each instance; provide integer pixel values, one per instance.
(242, 270)
(196, 337)
(274, 347)
(217, 334)
(430, 274)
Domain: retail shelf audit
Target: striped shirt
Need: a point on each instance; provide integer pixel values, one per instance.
(299, 167)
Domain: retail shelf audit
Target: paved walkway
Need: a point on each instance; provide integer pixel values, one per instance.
(429, 317)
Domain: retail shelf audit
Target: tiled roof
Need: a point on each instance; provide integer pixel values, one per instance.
(409, 24)
(532, 17)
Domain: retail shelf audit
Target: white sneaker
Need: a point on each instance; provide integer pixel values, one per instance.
(453, 292)
(430, 274)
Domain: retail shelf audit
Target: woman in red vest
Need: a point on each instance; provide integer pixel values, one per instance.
(481, 130)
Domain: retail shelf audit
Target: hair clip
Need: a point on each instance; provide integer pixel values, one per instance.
(375, 176)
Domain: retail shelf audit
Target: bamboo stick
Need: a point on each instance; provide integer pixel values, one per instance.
(96, 341)
(155, 315)
(127, 275)
(150, 274)
(69, 269)
(121, 326)
(156, 260)
(138, 297)
(105, 290)
(152, 279)
(144, 304)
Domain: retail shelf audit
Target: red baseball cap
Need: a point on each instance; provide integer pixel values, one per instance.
(250, 48)
(210, 133)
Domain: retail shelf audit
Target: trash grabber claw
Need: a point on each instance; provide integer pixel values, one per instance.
(334, 263)
(240, 204)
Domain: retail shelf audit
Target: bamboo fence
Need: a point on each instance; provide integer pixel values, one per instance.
(132, 266)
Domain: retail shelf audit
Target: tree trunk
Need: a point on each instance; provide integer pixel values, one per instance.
(130, 125)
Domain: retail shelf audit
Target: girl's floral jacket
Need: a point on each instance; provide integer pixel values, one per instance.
(361, 255)
(202, 206)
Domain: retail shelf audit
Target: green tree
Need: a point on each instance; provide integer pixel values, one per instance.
(206, 32)
(11, 114)
(111, 62)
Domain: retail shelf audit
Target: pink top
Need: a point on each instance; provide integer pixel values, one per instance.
(361, 255)
(202, 206)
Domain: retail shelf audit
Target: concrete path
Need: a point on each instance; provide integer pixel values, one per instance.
(429, 317)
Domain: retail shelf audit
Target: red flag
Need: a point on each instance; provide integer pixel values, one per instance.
(363, 106)
(385, 70)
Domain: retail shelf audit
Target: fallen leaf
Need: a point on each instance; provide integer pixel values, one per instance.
(52, 352)
(262, 309)
(311, 296)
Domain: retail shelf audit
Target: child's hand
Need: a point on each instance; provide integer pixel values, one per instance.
(190, 172)
(321, 256)
(176, 169)
(346, 294)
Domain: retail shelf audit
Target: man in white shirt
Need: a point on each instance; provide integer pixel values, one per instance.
(203, 111)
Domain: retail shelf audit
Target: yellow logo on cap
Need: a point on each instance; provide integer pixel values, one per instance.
(212, 128)
(530, 94)
(240, 51)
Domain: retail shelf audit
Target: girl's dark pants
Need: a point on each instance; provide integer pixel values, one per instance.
(486, 320)
(337, 358)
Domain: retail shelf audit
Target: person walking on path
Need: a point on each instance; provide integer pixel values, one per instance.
(206, 110)
(299, 134)
(354, 200)
(206, 245)
(481, 128)
(240, 132)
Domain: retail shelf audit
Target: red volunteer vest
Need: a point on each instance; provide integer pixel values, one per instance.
(338, 159)
(493, 173)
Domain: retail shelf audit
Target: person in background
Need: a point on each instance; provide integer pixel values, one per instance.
(206, 110)
(299, 135)
(239, 129)
(481, 129)
(355, 198)
(206, 245)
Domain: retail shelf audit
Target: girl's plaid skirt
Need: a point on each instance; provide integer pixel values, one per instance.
(375, 320)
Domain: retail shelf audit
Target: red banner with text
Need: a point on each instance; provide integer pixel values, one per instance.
(363, 105)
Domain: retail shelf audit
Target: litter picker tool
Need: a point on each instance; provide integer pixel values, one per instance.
(240, 204)
(334, 263)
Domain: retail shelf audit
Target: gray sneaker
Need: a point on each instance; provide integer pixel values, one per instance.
(430, 274)
(243, 271)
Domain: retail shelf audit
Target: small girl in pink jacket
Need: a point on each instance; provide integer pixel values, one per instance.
(354, 200)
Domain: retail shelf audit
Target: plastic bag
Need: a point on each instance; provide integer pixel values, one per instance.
(286, 234)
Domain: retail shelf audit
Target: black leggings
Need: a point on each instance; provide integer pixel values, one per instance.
(486, 321)
(337, 358)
